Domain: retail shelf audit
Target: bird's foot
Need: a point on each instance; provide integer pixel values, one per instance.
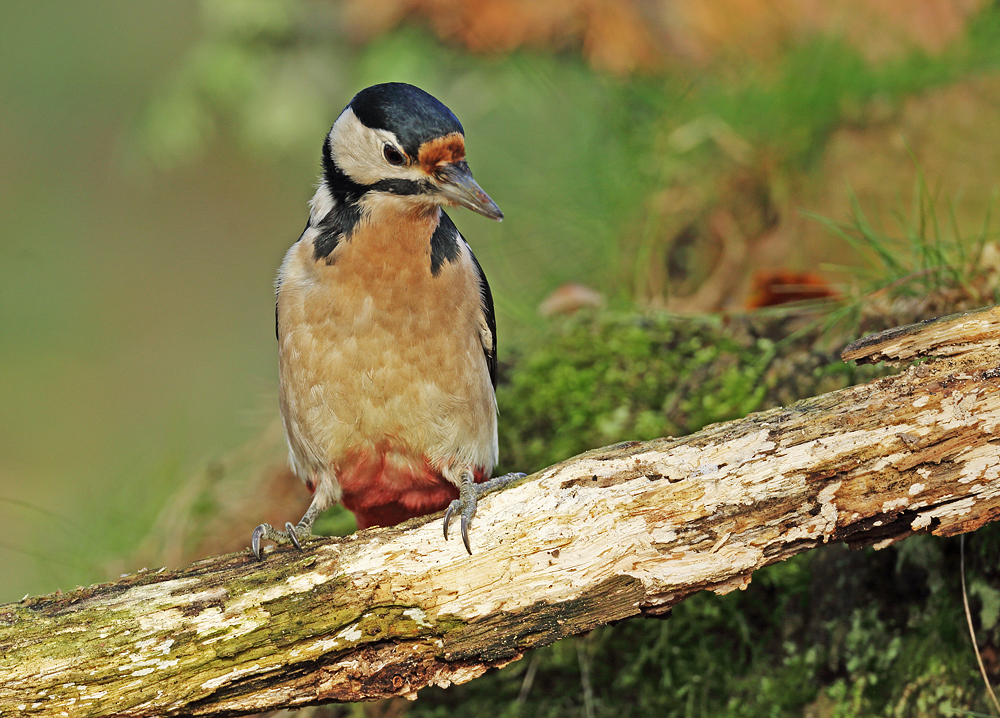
(296, 535)
(469, 494)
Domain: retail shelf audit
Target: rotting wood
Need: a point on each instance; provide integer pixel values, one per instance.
(626, 530)
(942, 336)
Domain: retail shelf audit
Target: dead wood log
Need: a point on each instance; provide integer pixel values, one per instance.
(617, 532)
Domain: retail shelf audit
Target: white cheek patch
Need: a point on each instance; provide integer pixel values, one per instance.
(358, 152)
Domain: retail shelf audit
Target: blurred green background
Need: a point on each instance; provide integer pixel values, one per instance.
(135, 330)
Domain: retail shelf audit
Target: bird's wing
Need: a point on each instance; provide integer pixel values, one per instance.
(445, 247)
(489, 347)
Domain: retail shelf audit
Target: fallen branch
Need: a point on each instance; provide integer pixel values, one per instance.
(620, 531)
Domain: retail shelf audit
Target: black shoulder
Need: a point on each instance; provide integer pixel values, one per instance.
(346, 212)
(333, 228)
(491, 320)
(445, 245)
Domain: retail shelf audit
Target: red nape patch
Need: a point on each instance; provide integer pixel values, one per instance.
(385, 488)
(441, 150)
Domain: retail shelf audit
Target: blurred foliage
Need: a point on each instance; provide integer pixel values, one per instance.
(931, 267)
(600, 379)
(575, 158)
(278, 71)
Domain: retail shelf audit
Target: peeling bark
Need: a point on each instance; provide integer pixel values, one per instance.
(617, 532)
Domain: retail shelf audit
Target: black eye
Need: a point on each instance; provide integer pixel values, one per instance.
(392, 155)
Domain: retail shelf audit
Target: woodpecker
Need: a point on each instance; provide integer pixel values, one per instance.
(385, 325)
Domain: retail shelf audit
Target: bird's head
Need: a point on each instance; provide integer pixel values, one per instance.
(396, 141)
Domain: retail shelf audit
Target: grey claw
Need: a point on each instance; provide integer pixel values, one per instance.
(290, 529)
(447, 518)
(468, 495)
(465, 533)
(255, 540)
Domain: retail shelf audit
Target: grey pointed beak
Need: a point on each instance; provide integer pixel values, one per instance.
(455, 183)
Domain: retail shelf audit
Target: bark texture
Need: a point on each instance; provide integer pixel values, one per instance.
(629, 529)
